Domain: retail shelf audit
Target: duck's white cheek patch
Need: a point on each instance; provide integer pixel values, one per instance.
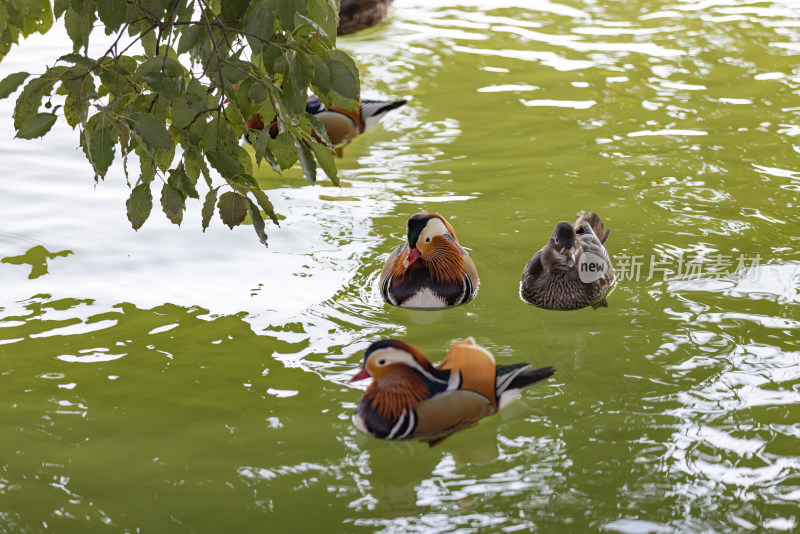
(425, 299)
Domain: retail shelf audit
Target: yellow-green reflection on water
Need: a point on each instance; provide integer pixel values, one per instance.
(169, 380)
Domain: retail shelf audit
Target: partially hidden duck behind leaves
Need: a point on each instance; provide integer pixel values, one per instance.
(341, 125)
(410, 399)
(431, 269)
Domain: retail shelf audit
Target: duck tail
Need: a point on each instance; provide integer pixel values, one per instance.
(594, 221)
(370, 108)
(511, 379)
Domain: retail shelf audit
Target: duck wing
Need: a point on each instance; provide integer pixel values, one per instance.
(449, 411)
(591, 243)
(534, 268)
(472, 368)
(594, 223)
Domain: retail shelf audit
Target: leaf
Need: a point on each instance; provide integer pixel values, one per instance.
(112, 14)
(307, 161)
(344, 77)
(139, 204)
(232, 208)
(172, 203)
(226, 164)
(162, 84)
(151, 131)
(164, 159)
(260, 23)
(326, 160)
(208, 207)
(258, 222)
(186, 108)
(101, 149)
(234, 9)
(296, 78)
(195, 164)
(283, 149)
(79, 21)
(322, 75)
(30, 99)
(266, 205)
(11, 82)
(190, 36)
(37, 126)
(181, 181)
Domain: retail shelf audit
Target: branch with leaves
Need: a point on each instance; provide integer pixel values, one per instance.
(180, 106)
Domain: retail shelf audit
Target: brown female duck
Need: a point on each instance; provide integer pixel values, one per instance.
(573, 269)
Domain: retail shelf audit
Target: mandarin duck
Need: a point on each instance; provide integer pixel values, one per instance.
(341, 125)
(356, 15)
(410, 399)
(573, 269)
(430, 270)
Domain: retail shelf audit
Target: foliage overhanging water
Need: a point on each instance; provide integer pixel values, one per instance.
(168, 380)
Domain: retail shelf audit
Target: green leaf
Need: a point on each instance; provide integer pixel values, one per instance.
(225, 164)
(30, 99)
(190, 36)
(37, 126)
(208, 207)
(195, 164)
(162, 84)
(164, 159)
(232, 208)
(139, 204)
(296, 78)
(260, 23)
(344, 78)
(172, 203)
(307, 161)
(286, 10)
(11, 82)
(266, 205)
(181, 181)
(151, 131)
(326, 160)
(101, 149)
(186, 108)
(258, 222)
(234, 9)
(322, 75)
(283, 149)
(112, 14)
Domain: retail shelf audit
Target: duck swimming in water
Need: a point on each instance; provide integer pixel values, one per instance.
(430, 270)
(573, 269)
(341, 125)
(410, 399)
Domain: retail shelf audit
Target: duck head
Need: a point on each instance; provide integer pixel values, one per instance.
(387, 356)
(425, 232)
(564, 243)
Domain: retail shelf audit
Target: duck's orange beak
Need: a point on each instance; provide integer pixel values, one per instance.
(413, 255)
(361, 375)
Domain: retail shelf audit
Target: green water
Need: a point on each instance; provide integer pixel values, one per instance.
(168, 380)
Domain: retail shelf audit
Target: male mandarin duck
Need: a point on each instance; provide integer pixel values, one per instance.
(355, 15)
(430, 270)
(573, 269)
(341, 125)
(410, 399)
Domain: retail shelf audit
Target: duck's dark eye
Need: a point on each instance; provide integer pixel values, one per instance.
(555, 239)
(381, 362)
(428, 239)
